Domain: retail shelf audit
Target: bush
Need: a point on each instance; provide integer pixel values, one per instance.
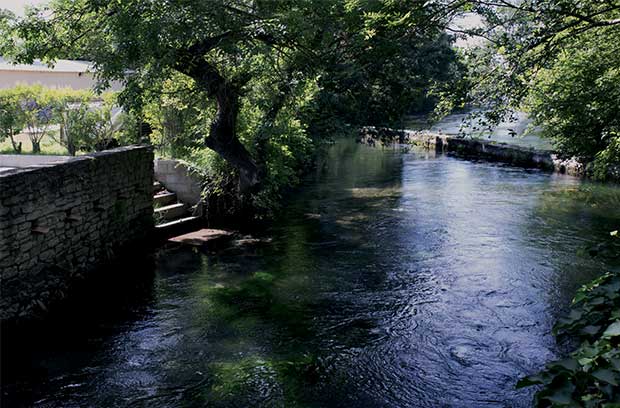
(85, 119)
(607, 159)
(590, 377)
(12, 120)
(576, 99)
(176, 117)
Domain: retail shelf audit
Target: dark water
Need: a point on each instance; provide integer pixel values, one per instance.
(391, 280)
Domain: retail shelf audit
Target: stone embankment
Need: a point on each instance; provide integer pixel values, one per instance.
(474, 148)
(61, 219)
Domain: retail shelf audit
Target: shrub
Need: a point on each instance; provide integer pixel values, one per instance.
(575, 100)
(87, 121)
(12, 120)
(590, 376)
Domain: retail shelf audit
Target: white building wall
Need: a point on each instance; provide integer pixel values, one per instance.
(75, 80)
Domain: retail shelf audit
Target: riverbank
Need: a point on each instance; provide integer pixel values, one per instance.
(480, 149)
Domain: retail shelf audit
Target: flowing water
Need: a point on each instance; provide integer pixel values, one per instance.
(392, 279)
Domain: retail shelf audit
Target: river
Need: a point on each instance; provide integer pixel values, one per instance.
(392, 278)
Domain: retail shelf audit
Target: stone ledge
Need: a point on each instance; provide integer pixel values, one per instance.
(60, 161)
(474, 148)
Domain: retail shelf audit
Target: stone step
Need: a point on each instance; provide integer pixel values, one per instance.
(176, 222)
(171, 212)
(178, 226)
(164, 198)
(202, 237)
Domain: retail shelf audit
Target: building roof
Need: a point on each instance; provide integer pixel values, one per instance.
(38, 66)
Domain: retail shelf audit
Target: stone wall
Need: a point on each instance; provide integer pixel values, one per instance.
(516, 155)
(474, 148)
(59, 221)
(180, 178)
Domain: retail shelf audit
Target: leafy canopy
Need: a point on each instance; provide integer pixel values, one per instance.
(365, 59)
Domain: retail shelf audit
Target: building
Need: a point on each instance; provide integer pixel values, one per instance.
(64, 74)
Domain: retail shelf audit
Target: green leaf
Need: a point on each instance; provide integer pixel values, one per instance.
(580, 296)
(591, 330)
(562, 393)
(605, 375)
(585, 361)
(530, 380)
(613, 330)
(587, 350)
(569, 364)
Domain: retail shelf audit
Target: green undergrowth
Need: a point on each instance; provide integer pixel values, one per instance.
(590, 376)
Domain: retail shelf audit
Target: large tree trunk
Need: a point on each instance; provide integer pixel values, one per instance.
(222, 136)
(17, 147)
(71, 148)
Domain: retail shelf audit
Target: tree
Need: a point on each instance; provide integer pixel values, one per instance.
(227, 47)
(576, 98)
(12, 119)
(557, 59)
(38, 119)
(77, 126)
(390, 55)
(203, 40)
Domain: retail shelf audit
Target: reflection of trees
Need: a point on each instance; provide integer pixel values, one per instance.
(597, 203)
(571, 223)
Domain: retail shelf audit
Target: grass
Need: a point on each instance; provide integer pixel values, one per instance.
(49, 146)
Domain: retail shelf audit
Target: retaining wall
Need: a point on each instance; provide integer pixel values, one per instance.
(62, 219)
(517, 155)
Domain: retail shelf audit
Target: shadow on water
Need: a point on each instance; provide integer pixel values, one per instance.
(35, 354)
(392, 279)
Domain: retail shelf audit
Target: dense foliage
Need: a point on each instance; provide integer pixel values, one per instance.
(579, 94)
(76, 120)
(258, 83)
(11, 119)
(558, 60)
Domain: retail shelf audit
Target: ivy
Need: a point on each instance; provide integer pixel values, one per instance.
(590, 376)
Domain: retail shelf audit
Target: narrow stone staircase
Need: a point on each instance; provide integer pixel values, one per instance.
(171, 215)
